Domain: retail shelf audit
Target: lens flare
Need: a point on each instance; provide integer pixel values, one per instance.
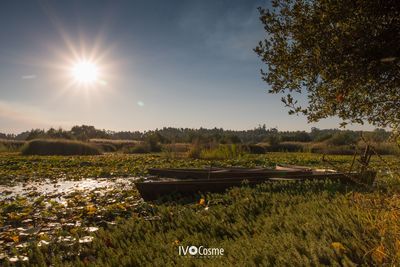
(85, 72)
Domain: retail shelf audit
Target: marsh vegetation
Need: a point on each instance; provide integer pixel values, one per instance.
(103, 221)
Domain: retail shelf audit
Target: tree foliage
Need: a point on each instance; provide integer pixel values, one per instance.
(344, 54)
(169, 135)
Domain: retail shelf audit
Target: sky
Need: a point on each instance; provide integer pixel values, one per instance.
(160, 64)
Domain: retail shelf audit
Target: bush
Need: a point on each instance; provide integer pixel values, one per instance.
(139, 149)
(215, 152)
(322, 148)
(176, 147)
(146, 147)
(154, 147)
(343, 138)
(195, 151)
(175, 150)
(274, 139)
(382, 148)
(105, 147)
(59, 147)
(3, 148)
(286, 147)
(222, 152)
(256, 149)
(153, 141)
(118, 144)
(10, 145)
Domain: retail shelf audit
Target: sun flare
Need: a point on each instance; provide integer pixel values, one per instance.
(85, 72)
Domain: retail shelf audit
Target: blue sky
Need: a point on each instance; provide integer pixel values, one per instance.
(162, 63)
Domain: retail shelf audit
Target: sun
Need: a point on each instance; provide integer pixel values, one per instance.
(85, 72)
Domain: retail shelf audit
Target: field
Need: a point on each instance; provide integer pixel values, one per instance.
(314, 223)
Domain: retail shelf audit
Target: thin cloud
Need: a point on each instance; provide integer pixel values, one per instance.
(29, 77)
(20, 113)
(16, 117)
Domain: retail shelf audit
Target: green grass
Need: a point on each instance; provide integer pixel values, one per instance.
(282, 224)
(318, 223)
(59, 147)
(382, 148)
(222, 152)
(17, 168)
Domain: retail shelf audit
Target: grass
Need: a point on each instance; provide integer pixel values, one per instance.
(17, 168)
(383, 148)
(10, 145)
(320, 223)
(222, 152)
(209, 151)
(178, 150)
(295, 224)
(110, 145)
(59, 147)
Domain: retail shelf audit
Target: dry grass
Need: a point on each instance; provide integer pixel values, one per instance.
(59, 147)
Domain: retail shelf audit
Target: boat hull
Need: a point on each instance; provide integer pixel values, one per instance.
(215, 173)
(155, 189)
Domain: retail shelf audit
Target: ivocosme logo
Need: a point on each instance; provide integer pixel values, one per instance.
(200, 251)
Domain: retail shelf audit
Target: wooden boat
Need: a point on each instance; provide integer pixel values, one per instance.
(154, 190)
(151, 190)
(287, 167)
(220, 173)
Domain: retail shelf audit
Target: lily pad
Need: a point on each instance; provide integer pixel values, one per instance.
(86, 239)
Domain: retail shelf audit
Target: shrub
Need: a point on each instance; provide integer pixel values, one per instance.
(153, 141)
(154, 147)
(343, 138)
(322, 148)
(59, 147)
(323, 137)
(3, 148)
(274, 140)
(177, 147)
(118, 144)
(105, 147)
(286, 147)
(195, 151)
(148, 146)
(222, 152)
(175, 150)
(139, 149)
(256, 149)
(10, 145)
(382, 148)
(212, 152)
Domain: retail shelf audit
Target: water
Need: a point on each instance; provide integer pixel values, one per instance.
(45, 212)
(63, 187)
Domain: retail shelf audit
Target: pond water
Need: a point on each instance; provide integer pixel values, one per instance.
(64, 211)
(63, 187)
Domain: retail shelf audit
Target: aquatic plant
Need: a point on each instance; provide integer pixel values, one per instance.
(274, 224)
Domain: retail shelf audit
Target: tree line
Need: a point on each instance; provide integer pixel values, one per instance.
(202, 135)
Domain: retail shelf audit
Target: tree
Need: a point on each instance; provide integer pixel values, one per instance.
(343, 138)
(274, 139)
(86, 132)
(377, 136)
(344, 54)
(36, 134)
